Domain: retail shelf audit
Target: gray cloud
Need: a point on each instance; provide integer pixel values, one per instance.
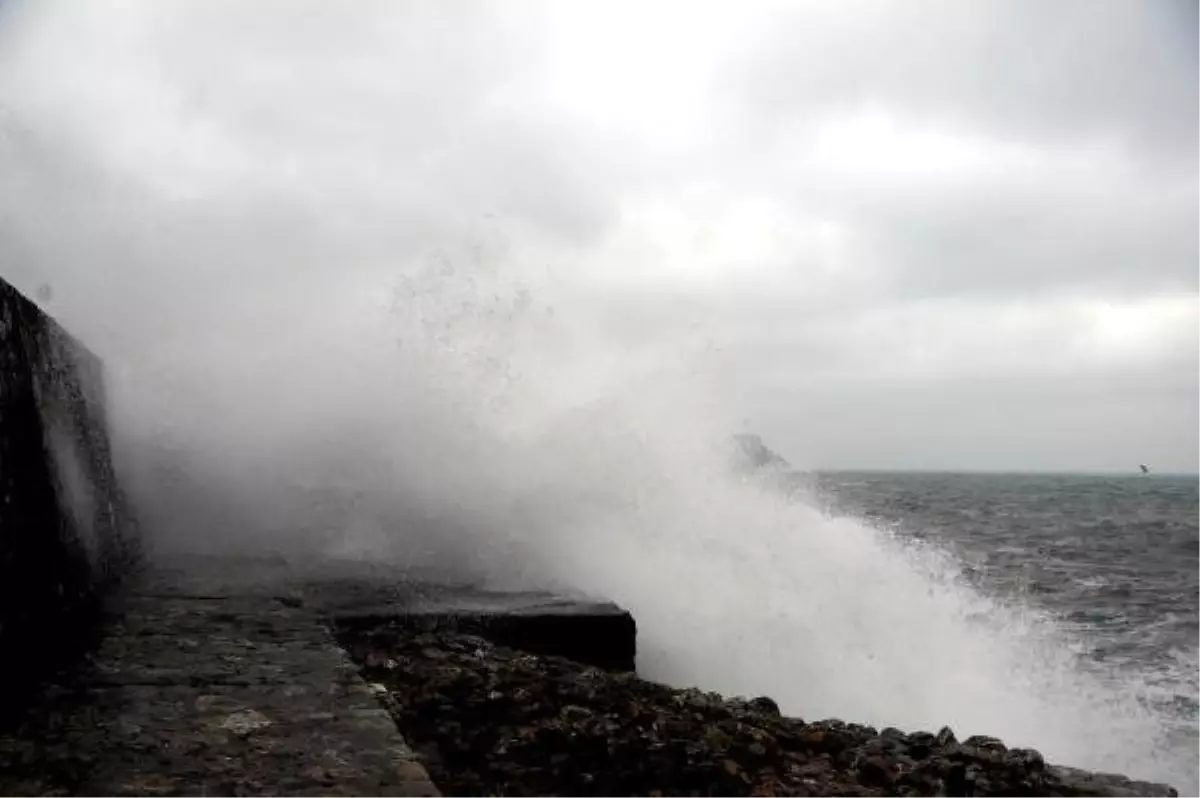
(1115, 238)
(1073, 72)
(806, 201)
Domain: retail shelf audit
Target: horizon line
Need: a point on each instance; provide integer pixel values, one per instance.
(999, 471)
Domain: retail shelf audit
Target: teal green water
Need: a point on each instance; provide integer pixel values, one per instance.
(1114, 558)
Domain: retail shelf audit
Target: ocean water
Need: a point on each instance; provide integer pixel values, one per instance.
(1110, 560)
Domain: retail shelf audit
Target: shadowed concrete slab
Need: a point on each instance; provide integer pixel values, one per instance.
(360, 595)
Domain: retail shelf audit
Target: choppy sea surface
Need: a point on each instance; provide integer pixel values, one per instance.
(1113, 558)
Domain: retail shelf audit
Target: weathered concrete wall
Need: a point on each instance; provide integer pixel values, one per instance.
(65, 533)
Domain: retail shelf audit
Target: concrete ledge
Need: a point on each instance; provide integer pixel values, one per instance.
(597, 633)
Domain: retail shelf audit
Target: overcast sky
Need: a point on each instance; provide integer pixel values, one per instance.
(906, 234)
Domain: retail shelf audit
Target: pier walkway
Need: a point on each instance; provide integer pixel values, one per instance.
(213, 677)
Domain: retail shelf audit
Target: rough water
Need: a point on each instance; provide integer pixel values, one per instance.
(1113, 559)
(475, 425)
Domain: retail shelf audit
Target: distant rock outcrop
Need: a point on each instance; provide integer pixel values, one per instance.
(751, 454)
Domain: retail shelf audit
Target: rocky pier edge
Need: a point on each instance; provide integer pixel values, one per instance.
(486, 719)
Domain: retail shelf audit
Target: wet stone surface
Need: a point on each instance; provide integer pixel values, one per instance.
(205, 686)
(494, 721)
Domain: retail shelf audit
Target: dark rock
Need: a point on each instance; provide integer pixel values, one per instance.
(547, 725)
(764, 705)
(875, 772)
(956, 780)
(1082, 782)
(982, 741)
(1028, 759)
(921, 744)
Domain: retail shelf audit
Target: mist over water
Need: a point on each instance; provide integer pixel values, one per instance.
(296, 365)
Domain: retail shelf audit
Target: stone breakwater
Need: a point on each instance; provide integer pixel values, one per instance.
(489, 720)
(255, 677)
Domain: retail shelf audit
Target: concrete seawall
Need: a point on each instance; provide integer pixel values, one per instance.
(66, 534)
